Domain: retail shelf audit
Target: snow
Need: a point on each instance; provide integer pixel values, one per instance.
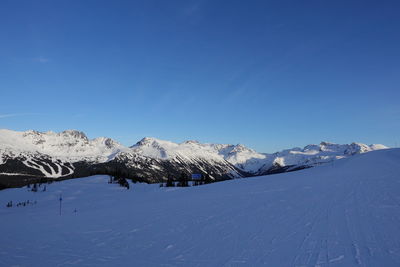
(69, 145)
(343, 213)
(247, 159)
(54, 172)
(160, 149)
(312, 155)
(242, 157)
(72, 146)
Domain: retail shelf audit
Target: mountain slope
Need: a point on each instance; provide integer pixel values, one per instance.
(70, 145)
(313, 155)
(30, 156)
(340, 214)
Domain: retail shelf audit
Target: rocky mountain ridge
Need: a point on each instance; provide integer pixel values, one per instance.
(69, 154)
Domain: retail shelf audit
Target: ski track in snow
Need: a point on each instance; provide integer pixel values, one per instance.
(54, 172)
(346, 214)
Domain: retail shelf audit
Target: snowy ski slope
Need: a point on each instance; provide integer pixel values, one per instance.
(345, 213)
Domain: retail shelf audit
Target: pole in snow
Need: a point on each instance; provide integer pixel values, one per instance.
(60, 203)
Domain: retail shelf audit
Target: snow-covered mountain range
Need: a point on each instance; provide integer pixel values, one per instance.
(68, 154)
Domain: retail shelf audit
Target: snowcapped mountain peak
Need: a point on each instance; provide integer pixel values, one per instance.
(75, 134)
(241, 148)
(154, 148)
(348, 149)
(226, 150)
(28, 132)
(309, 148)
(146, 141)
(107, 142)
(378, 146)
(160, 149)
(69, 145)
(150, 141)
(241, 157)
(190, 142)
(355, 148)
(325, 143)
(312, 155)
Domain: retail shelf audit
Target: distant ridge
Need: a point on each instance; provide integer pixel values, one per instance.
(69, 154)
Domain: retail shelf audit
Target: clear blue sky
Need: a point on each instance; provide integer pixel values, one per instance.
(267, 74)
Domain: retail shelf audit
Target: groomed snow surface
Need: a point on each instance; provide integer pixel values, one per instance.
(345, 213)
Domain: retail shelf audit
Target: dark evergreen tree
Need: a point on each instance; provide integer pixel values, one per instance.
(183, 180)
(34, 188)
(170, 182)
(123, 182)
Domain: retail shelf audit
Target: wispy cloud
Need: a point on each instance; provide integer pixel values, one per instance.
(10, 115)
(41, 59)
(7, 115)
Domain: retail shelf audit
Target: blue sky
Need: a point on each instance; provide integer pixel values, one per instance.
(267, 74)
